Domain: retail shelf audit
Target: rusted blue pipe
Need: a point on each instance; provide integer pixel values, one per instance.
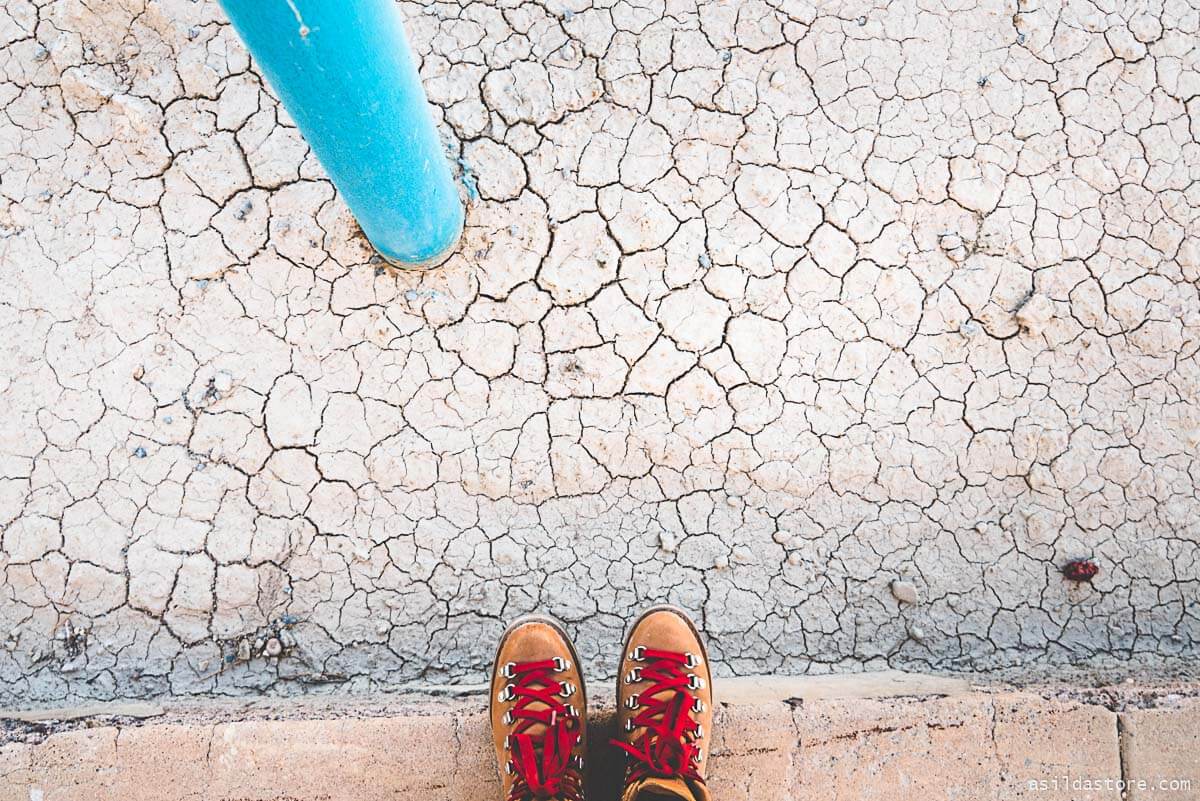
(345, 74)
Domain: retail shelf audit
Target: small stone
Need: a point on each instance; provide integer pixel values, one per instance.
(223, 381)
(917, 633)
(721, 562)
(273, 647)
(794, 558)
(139, 452)
(168, 419)
(982, 81)
(667, 541)
(383, 628)
(243, 651)
(862, 21)
(138, 372)
(905, 592)
(778, 80)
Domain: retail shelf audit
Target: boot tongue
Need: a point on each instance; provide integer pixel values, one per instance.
(652, 788)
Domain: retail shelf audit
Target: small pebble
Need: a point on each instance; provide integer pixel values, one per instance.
(273, 647)
(862, 21)
(917, 633)
(139, 452)
(721, 562)
(667, 541)
(906, 592)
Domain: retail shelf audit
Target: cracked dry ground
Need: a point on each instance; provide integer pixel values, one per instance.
(760, 308)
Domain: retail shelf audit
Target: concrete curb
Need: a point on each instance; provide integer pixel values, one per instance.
(870, 736)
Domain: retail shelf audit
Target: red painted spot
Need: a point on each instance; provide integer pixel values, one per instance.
(1080, 570)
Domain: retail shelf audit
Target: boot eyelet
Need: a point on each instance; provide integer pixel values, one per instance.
(695, 682)
(638, 654)
(698, 756)
(633, 676)
(692, 661)
(508, 669)
(579, 761)
(508, 768)
(507, 694)
(628, 724)
(561, 665)
(508, 718)
(568, 689)
(632, 702)
(507, 742)
(697, 706)
(571, 713)
(699, 731)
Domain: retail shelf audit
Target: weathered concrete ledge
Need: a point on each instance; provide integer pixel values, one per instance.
(870, 736)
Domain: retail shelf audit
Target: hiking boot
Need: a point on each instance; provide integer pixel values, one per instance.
(664, 709)
(537, 707)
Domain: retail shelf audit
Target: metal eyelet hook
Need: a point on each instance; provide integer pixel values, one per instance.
(561, 664)
(697, 706)
(508, 718)
(693, 661)
(699, 730)
(568, 689)
(633, 676)
(507, 670)
(698, 756)
(695, 682)
(638, 653)
(632, 702)
(628, 724)
(507, 694)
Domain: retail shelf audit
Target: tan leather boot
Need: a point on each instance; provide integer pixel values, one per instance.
(537, 708)
(664, 708)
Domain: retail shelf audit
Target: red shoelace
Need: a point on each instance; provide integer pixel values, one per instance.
(667, 744)
(541, 762)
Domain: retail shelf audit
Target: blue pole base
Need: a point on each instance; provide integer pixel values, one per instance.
(424, 264)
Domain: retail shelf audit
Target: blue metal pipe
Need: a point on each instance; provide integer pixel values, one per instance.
(344, 72)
